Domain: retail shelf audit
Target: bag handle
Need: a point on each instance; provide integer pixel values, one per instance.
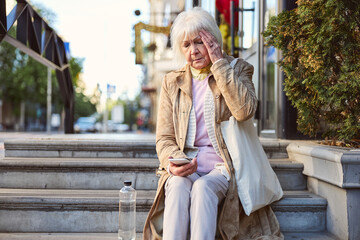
(233, 62)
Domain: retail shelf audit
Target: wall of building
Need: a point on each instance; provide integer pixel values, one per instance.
(277, 119)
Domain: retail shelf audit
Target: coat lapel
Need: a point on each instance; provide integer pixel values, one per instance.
(184, 80)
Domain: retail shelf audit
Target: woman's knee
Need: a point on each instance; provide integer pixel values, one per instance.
(208, 187)
(201, 186)
(178, 185)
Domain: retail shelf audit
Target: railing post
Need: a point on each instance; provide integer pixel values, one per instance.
(232, 26)
(3, 23)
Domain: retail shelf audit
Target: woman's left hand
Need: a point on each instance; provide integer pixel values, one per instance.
(212, 45)
(183, 170)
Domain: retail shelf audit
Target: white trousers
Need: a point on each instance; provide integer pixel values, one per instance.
(193, 201)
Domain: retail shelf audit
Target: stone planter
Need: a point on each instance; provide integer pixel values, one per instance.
(333, 173)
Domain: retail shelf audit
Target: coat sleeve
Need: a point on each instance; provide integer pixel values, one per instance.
(166, 144)
(237, 89)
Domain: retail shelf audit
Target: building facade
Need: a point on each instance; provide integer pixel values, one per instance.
(242, 37)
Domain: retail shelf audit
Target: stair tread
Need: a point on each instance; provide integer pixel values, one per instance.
(285, 163)
(143, 196)
(99, 236)
(55, 161)
(67, 145)
(78, 162)
(70, 159)
(59, 142)
(95, 139)
(309, 236)
(62, 193)
(62, 236)
(62, 207)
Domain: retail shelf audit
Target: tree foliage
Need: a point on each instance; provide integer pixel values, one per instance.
(23, 79)
(320, 45)
(84, 107)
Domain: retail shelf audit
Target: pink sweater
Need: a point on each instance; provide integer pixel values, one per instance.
(206, 157)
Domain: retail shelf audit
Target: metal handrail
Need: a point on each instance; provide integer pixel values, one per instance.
(38, 40)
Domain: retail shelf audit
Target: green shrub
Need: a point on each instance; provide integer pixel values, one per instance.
(320, 46)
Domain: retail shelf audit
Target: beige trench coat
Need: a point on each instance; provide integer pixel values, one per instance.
(234, 95)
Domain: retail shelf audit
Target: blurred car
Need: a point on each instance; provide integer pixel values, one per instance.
(111, 127)
(116, 126)
(85, 124)
(120, 127)
(98, 127)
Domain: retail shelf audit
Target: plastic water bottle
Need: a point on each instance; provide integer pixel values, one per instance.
(127, 212)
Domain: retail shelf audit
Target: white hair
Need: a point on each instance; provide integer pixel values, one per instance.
(188, 24)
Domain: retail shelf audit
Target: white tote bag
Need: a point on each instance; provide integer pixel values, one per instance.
(257, 182)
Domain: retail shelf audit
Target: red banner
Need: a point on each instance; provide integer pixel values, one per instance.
(223, 6)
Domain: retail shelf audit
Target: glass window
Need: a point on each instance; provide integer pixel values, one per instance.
(269, 76)
(188, 4)
(250, 23)
(209, 6)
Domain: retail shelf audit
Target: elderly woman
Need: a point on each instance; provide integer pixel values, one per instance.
(199, 200)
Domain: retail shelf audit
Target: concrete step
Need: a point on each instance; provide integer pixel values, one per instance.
(79, 148)
(275, 148)
(309, 236)
(78, 173)
(62, 236)
(112, 236)
(45, 210)
(109, 173)
(289, 174)
(96, 211)
(301, 211)
(105, 148)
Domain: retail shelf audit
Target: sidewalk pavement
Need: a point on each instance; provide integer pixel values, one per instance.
(144, 136)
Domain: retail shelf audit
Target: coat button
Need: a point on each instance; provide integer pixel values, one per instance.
(218, 121)
(217, 96)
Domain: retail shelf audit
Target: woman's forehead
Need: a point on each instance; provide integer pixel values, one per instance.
(191, 36)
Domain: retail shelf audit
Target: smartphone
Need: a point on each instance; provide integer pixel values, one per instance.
(180, 161)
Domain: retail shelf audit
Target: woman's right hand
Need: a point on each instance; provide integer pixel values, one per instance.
(183, 170)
